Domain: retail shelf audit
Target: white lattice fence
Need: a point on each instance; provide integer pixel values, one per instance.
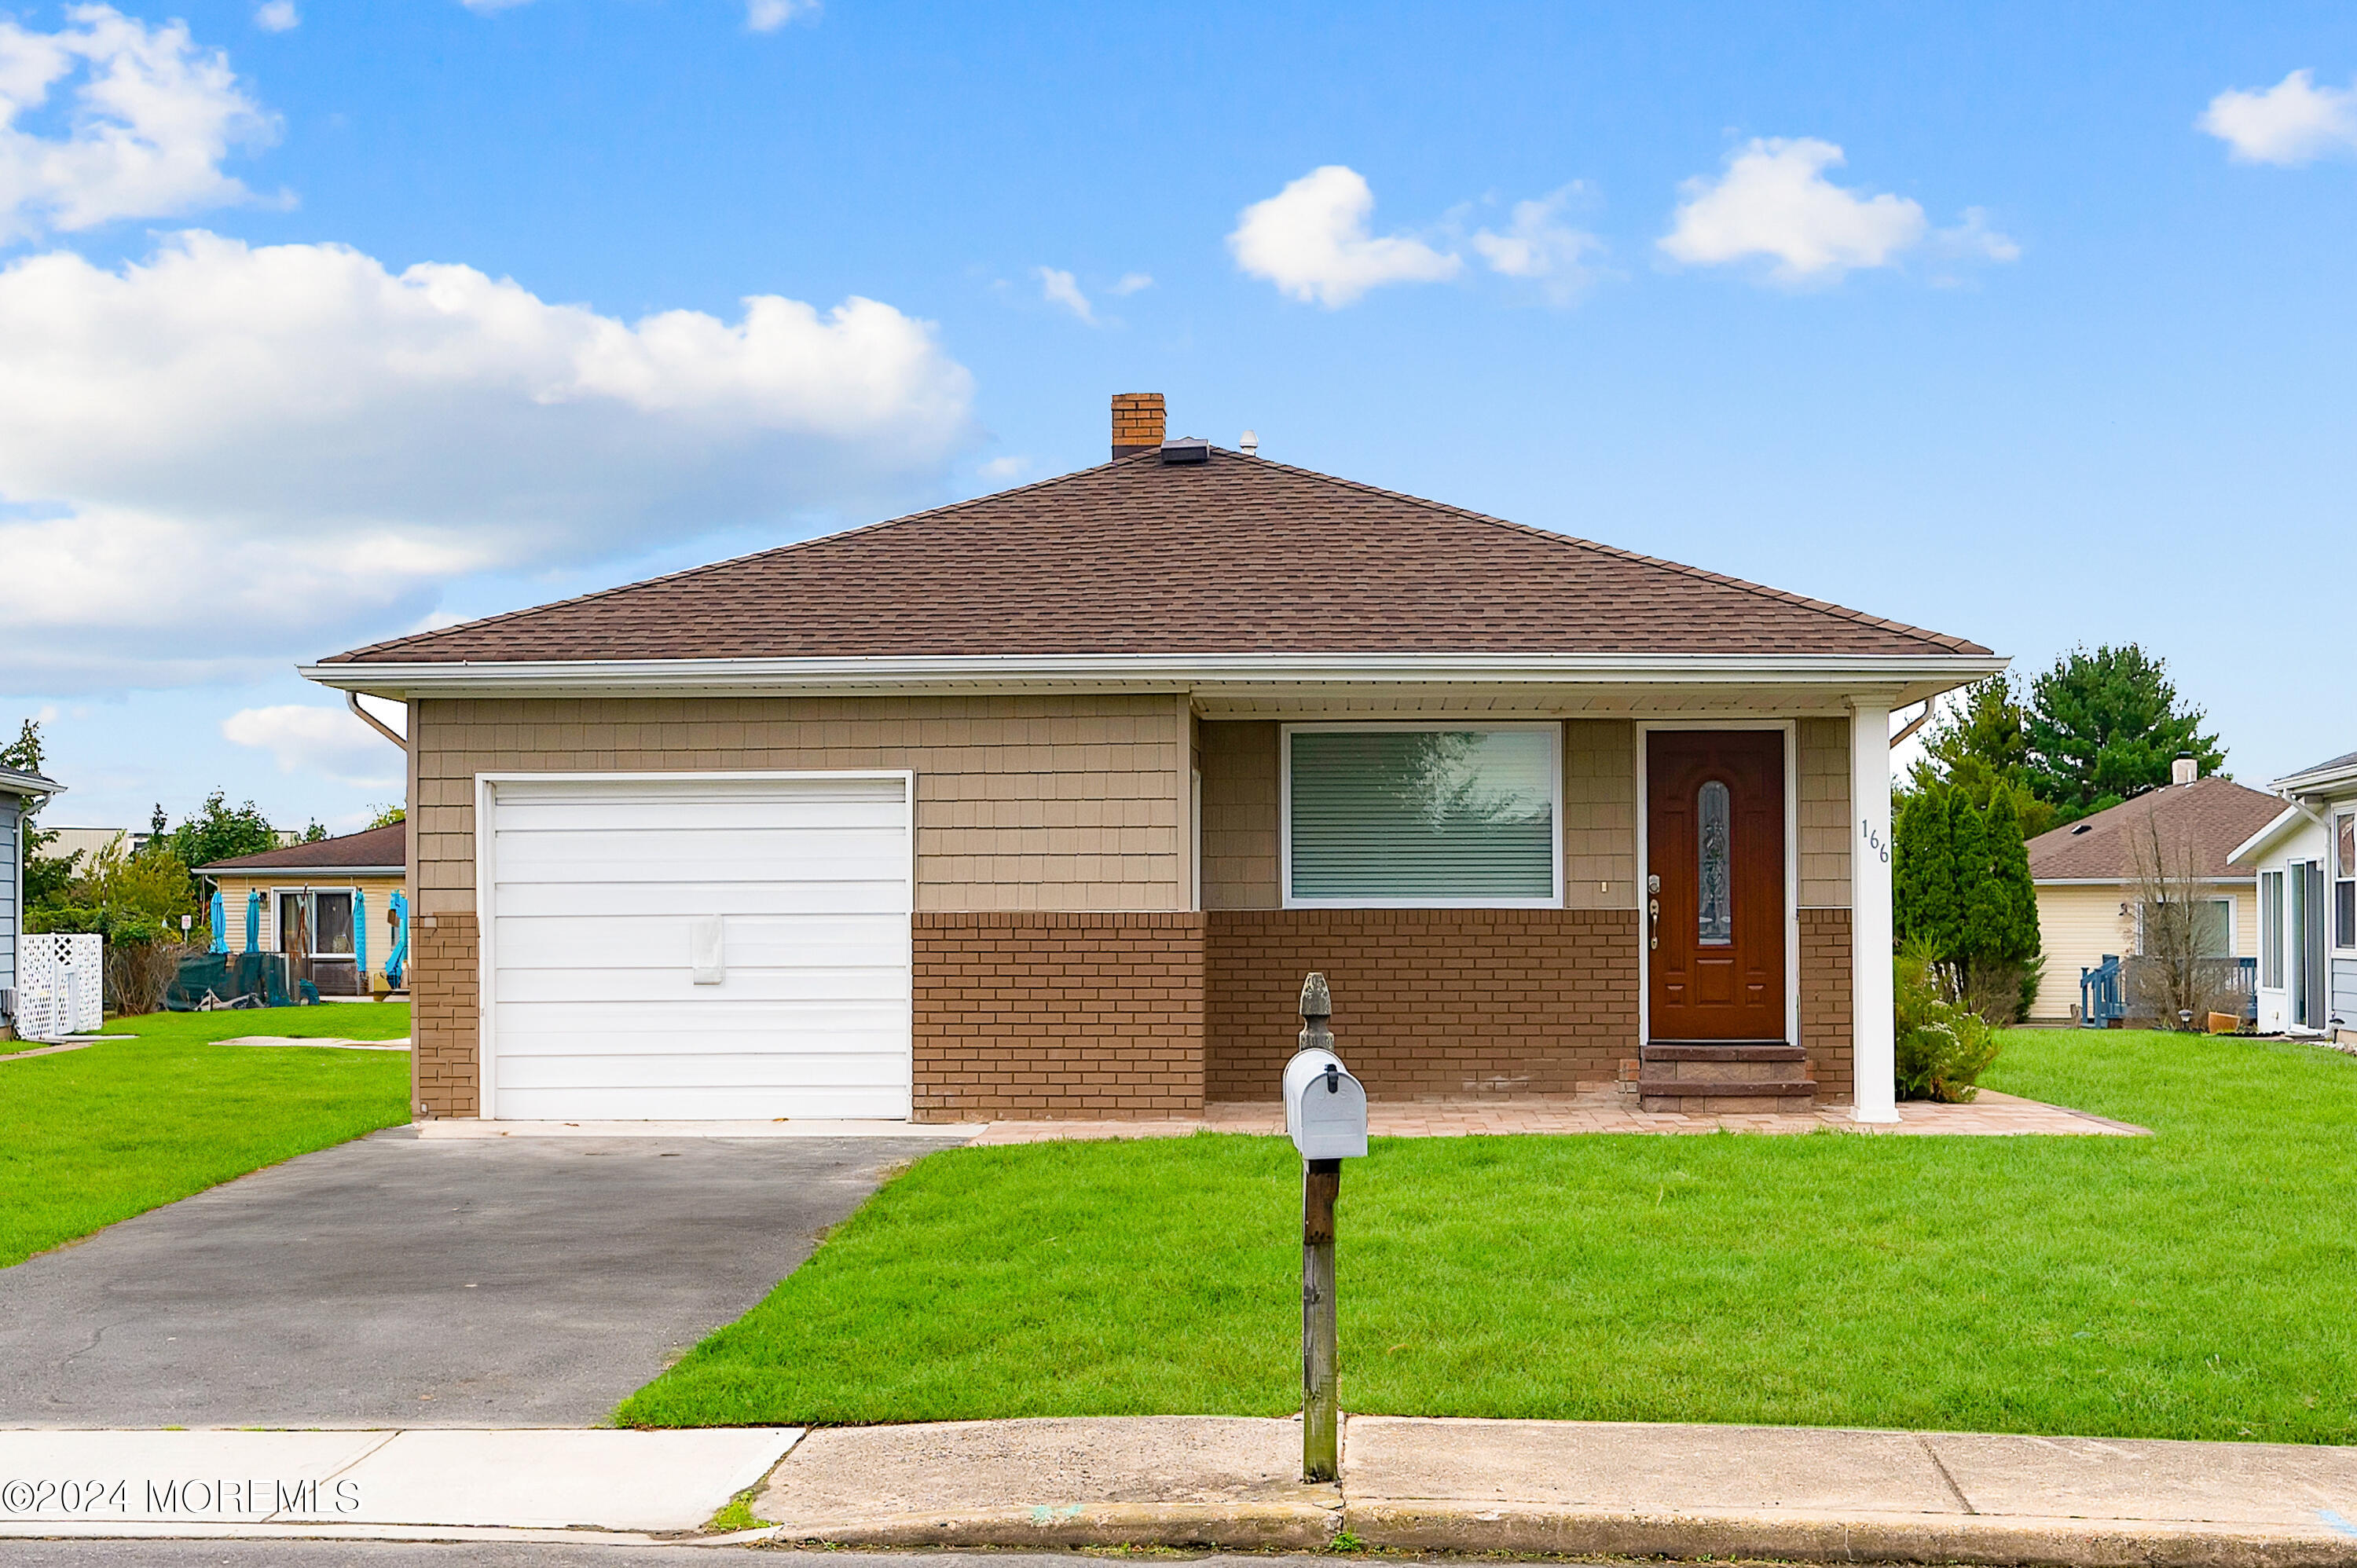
(60, 985)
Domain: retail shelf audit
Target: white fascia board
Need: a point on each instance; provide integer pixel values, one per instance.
(2290, 817)
(271, 873)
(1908, 679)
(2124, 881)
(2320, 781)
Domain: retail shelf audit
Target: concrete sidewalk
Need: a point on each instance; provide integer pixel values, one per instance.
(1578, 1488)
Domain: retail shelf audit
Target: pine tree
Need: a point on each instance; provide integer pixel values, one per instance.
(2103, 727)
(1935, 881)
(2010, 870)
(1984, 905)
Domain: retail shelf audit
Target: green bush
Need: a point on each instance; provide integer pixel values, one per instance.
(1943, 1048)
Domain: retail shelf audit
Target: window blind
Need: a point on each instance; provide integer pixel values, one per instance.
(1408, 814)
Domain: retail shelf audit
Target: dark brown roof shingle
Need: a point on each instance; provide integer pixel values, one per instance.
(1233, 555)
(2211, 815)
(376, 847)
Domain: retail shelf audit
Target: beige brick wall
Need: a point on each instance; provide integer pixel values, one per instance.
(1052, 802)
(443, 1018)
(1059, 1015)
(1825, 815)
(1426, 1002)
(1826, 1010)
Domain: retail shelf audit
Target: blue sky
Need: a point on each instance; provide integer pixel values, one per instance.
(2002, 322)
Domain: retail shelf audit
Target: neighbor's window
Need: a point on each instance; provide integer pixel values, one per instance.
(2212, 932)
(334, 912)
(1422, 816)
(2344, 880)
(2213, 927)
(2271, 912)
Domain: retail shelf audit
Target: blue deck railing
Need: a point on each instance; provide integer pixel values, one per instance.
(2102, 990)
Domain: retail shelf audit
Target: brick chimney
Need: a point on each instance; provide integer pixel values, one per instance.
(1138, 423)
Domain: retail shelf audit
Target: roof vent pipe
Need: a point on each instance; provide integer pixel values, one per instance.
(2184, 770)
(1186, 449)
(1249, 444)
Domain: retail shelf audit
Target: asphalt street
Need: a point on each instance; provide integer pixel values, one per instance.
(395, 1282)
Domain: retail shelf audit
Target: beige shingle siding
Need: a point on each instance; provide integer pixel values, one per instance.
(1046, 802)
(1599, 814)
(1824, 813)
(1240, 803)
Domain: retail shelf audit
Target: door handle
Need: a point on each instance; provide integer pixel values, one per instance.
(1654, 938)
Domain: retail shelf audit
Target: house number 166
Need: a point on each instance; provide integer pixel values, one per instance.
(1873, 840)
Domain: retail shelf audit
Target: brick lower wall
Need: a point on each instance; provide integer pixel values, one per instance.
(1048, 1015)
(1426, 1002)
(1826, 1001)
(443, 1080)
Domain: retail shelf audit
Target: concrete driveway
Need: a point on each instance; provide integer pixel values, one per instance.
(396, 1282)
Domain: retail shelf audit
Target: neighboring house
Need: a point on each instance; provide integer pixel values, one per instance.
(18, 793)
(1042, 804)
(88, 843)
(2087, 874)
(2305, 860)
(314, 898)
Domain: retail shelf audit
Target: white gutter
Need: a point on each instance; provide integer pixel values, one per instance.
(352, 701)
(1915, 679)
(2321, 781)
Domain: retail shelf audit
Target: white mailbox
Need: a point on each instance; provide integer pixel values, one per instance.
(1325, 1107)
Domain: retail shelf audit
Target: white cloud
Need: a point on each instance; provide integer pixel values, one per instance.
(1537, 245)
(260, 454)
(1130, 283)
(1058, 288)
(1974, 239)
(768, 15)
(1007, 467)
(491, 7)
(329, 741)
(1775, 201)
(2294, 122)
(1311, 240)
(151, 117)
(277, 15)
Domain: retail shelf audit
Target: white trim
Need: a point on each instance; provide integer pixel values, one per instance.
(487, 1054)
(1791, 730)
(1911, 678)
(2266, 835)
(2241, 881)
(1873, 1037)
(1552, 727)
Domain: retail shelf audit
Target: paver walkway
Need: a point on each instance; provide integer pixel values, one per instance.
(1991, 1115)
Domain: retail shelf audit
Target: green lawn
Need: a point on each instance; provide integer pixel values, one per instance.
(93, 1136)
(2202, 1283)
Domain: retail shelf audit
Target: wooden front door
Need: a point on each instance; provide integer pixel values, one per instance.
(1715, 844)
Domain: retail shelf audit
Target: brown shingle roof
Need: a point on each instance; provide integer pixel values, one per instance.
(1233, 555)
(2212, 815)
(377, 847)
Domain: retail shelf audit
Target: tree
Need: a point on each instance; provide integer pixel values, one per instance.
(2103, 727)
(1963, 898)
(47, 876)
(219, 832)
(315, 831)
(2181, 965)
(1979, 745)
(385, 816)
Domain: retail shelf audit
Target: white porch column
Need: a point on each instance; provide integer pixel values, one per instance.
(1873, 1054)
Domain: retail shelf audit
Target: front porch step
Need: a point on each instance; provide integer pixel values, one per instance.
(1725, 1076)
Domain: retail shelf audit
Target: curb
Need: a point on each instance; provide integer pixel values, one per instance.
(2013, 1542)
(1239, 1527)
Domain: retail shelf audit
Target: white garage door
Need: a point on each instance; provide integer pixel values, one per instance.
(602, 998)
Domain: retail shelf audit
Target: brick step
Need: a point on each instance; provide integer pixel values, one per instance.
(1742, 1089)
(1721, 1051)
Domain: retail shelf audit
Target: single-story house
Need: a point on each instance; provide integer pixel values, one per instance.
(2086, 874)
(1042, 804)
(19, 792)
(2306, 863)
(327, 906)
